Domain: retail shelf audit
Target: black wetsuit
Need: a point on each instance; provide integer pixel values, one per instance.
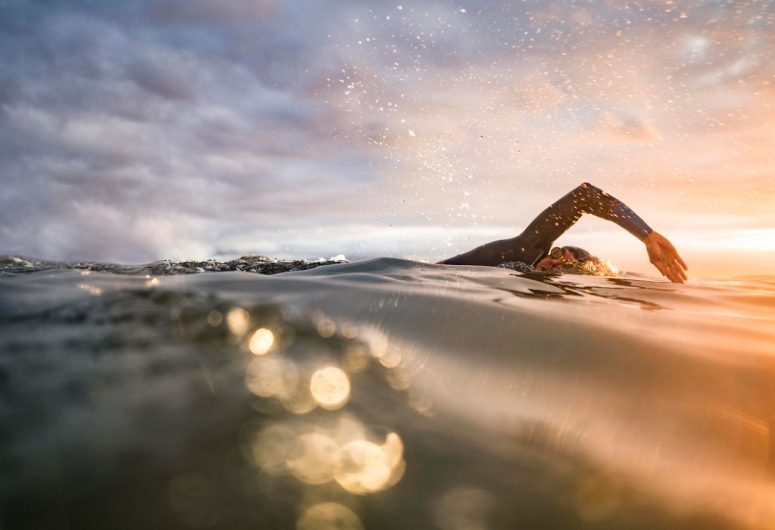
(535, 242)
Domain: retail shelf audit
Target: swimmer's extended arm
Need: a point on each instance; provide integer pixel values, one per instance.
(586, 198)
(536, 240)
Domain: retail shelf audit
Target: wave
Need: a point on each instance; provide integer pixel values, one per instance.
(384, 394)
(258, 264)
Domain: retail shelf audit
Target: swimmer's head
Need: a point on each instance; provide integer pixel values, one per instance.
(574, 260)
(560, 255)
(579, 253)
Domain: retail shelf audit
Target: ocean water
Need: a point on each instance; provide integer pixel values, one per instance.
(385, 394)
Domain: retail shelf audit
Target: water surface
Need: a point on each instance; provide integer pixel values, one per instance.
(385, 394)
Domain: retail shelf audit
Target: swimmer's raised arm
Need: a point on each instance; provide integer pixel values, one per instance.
(568, 209)
(586, 198)
(534, 242)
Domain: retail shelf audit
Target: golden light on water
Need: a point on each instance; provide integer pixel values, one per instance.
(421, 404)
(317, 459)
(299, 401)
(398, 379)
(375, 339)
(345, 454)
(348, 428)
(330, 387)
(348, 330)
(261, 341)
(272, 377)
(356, 358)
(365, 467)
(271, 447)
(91, 289)
(238, 321)
(326, 327)
(381, 348)
(391, 358)
(214, 318)
(314, 453)
(329, 516)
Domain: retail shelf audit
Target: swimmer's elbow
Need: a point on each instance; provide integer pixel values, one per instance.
(587, 188)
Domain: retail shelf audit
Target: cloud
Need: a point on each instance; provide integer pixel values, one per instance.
(114, 119)
(214, 11)
(258, 120)
(164, 76)
(618, 126)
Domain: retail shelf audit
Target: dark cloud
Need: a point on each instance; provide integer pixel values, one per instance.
(211, 12)
(134, 123)
(162, 78)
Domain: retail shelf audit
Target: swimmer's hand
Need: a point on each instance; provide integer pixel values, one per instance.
(664, 256)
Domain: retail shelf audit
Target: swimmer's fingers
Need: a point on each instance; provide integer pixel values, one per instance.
(657, 258)
(673, 268)
(665, 258)
(677, 275)
(660, 266)
(674, 254)
(672, 273)
(669, 268)
(680, 268)
(676, 264)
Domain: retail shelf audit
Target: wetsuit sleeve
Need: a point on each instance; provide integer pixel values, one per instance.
(561, 215)
(536, 240)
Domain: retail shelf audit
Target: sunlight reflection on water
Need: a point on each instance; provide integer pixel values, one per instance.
(314, 450)
(432, 398)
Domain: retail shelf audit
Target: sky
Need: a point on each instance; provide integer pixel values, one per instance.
(147, 129)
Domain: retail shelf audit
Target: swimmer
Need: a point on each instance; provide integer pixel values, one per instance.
(533, 246)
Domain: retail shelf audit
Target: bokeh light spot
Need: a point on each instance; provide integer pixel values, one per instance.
(326, 327)
(329, 516)
(300, 401)
(330, 387)
(271, 447)
(238, 321)
(317, 459)
(261, 341)
(214, 318)
(365, 467)
(91, 289)
(356, 358)
(272, 377)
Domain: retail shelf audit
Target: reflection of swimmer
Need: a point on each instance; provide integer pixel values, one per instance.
(532, 246)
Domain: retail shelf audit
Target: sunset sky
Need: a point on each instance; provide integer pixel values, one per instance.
(139, 130)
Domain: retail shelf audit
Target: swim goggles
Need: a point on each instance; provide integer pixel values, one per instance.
(557, 253)
(579, 254)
